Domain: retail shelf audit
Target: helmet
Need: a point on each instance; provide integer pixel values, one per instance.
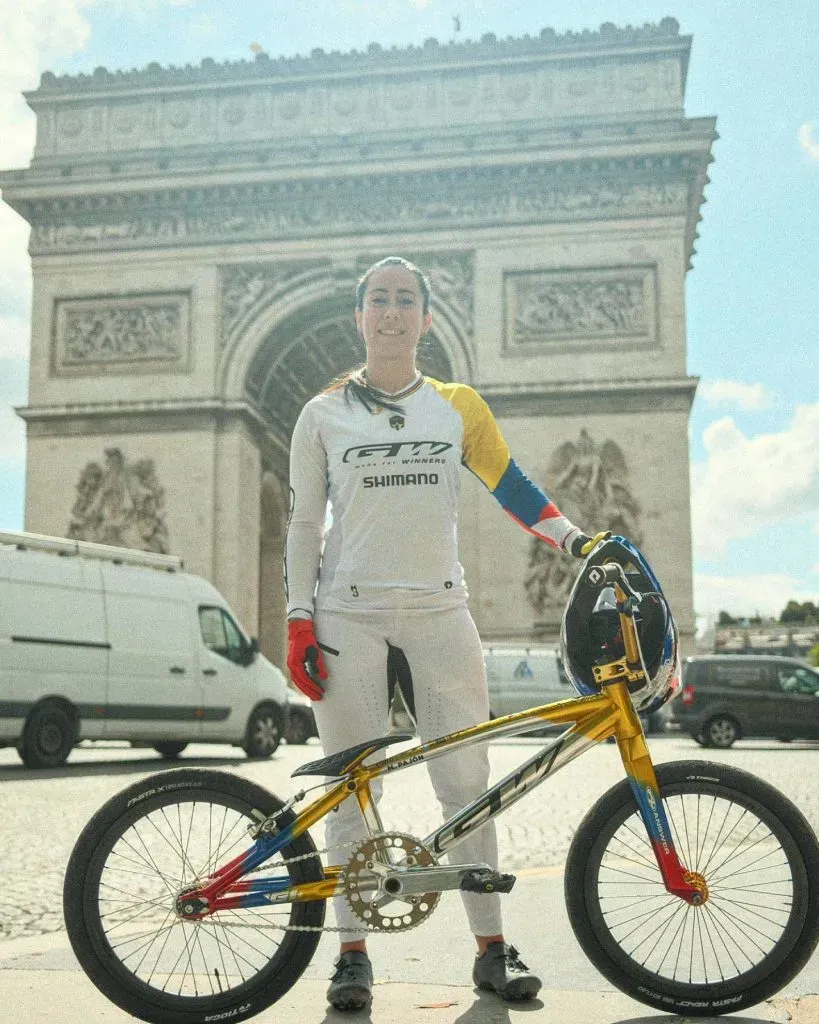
(590, 632)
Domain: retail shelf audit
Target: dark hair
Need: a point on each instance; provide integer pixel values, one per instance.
(394, 261)
(354, 382)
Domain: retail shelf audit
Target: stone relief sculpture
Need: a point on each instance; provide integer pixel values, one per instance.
(589, 481)
(122, 333)
(130, 333)
(248, 286)
(476, 196)
(545, 308)
(120, 503)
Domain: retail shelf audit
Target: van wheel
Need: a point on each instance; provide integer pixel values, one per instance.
(264, 733)
(48, 738)
(169, 749)
(720, 732)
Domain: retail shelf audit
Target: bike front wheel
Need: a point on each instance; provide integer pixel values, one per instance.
(756, 929)
(149, 843)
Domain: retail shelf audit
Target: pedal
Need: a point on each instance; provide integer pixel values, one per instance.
(487, 881)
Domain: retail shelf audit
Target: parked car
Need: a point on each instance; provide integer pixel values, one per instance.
(301, 724)
(725, 698)
(523, 677)
(105, 643)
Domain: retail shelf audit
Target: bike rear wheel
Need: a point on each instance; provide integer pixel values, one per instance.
(166, 833)
(752, 935)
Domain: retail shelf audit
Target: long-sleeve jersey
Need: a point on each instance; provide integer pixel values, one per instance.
(392, 481)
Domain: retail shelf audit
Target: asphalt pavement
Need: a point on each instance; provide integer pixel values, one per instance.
(422, 975)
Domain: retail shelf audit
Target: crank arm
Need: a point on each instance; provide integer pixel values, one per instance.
(411, 881)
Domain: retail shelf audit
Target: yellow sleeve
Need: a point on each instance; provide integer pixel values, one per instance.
(484, 450)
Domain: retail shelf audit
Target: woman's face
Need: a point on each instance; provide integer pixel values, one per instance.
(392, 320)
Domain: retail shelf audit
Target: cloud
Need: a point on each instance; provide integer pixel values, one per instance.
(748, 483)
(13, 386)
(32, 35)
(204, 25)
(807, 141)
(747, 397)
(14, 337)
(765, 593)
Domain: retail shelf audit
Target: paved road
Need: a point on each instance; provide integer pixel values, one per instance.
(42, 813)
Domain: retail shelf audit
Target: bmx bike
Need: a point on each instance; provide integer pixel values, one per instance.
(198, 896)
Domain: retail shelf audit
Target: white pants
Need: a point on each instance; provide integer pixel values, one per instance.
(449, 686)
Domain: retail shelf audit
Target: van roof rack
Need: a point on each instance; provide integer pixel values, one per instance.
(88, 549)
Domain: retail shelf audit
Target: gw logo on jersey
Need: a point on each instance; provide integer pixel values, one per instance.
(405, 449)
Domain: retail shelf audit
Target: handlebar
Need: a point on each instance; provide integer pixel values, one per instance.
(599, 576)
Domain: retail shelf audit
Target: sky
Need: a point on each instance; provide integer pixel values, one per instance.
(751, 296)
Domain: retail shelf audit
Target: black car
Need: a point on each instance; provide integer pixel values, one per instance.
(725, 698)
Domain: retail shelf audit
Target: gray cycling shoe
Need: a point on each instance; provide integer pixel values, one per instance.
(351, 987)
(501, 970)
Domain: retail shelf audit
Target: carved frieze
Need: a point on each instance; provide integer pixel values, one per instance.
(606, 306)
(245, 289)
(128, 334)
(589, 481)
(120, 502)
(452, 277)
(466, 197)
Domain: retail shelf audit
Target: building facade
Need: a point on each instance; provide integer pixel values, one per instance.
(196, 234)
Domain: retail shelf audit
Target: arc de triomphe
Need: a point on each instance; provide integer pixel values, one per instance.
(196, 235)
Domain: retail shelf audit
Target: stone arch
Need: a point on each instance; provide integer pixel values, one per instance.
(280, 351)
(305, 352)
(262, 302)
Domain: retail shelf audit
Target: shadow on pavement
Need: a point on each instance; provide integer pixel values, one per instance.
(665, 1018)
(146, 765)
(488, 1009)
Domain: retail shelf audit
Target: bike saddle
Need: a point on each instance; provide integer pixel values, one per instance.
(339, 764)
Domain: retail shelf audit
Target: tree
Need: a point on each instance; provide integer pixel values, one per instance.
(726, 620)
(805, 613)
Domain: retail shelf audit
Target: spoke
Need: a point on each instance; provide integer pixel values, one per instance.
(754, 912)
(172, 889)
(176, 846)
(744, 925)
(721, 840)
(139, 937)
(159, 955)
(156, 936)
(723, 934)
(121, 924)
(753, 867)
(198, 937)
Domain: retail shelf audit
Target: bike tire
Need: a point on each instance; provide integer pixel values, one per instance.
(611, 853)
(125, 855)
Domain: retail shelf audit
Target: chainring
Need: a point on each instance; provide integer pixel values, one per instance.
(387, 913)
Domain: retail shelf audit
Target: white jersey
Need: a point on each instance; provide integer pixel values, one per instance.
(392, 482)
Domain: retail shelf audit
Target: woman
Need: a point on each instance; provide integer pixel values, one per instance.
(385, 445)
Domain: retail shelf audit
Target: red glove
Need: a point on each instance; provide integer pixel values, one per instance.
(304, 658)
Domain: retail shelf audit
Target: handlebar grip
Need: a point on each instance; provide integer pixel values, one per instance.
(599, 576)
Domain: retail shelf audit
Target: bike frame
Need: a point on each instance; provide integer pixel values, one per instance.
(590, 720)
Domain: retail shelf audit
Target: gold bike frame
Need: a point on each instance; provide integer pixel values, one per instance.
(590, 720)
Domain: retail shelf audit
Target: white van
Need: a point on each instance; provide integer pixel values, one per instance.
(105, 643)
(519, 678)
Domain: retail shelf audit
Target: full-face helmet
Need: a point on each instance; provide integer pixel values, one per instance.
(590, 633)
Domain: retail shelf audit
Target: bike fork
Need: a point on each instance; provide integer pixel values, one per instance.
(687, 885)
